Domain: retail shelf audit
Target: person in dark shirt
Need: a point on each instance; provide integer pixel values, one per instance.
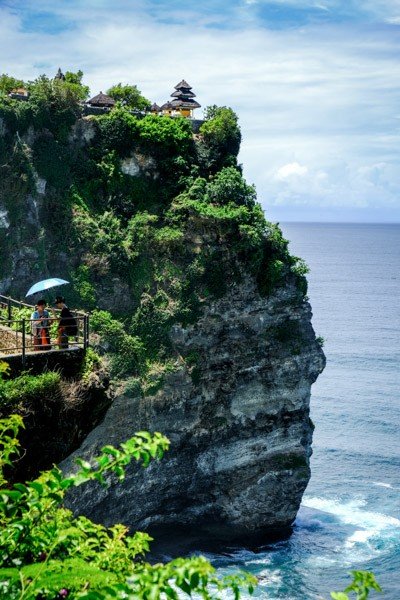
(67, 320)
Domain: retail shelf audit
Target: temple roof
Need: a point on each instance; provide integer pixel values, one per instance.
(182, 98)
(183, 84)
(59, 75)
(155, 108)
(101, 100)
(183, 94)
(184, 103)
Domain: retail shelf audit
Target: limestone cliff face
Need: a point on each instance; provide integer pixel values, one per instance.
(239, 424)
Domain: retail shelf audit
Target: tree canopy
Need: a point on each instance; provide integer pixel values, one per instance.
(129, 95)
(8, 83)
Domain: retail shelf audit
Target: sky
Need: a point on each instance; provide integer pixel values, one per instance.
(315, 84)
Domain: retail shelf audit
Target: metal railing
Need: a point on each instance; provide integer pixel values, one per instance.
(22, 335)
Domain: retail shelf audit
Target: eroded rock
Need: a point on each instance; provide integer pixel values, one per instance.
(240, 430)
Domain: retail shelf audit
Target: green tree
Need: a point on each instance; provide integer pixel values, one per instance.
(129, 95)
(228, 186)
(221, 135)
(55, 104)
(74, 81)
(8, 83)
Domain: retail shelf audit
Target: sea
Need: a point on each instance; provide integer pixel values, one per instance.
(350, 514)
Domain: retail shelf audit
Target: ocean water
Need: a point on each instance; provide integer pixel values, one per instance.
(350, 514)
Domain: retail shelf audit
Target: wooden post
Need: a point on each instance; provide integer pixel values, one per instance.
(23, 342)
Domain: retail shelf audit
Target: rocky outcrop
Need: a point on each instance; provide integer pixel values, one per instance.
(56, 424)
(238, 422)
(138, 164)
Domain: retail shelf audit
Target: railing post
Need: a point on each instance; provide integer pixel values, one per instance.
(23, 342)
(84, 332)
(9, 308)
(87, 332)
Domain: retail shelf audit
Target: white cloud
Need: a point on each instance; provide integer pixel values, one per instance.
(325, 97)
(290, 170)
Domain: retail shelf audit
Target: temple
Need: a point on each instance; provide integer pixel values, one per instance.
(182, 103)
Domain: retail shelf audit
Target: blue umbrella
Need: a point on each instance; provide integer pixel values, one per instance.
(46, 284)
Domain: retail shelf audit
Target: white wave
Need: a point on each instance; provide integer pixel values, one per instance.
(351, 513)
(375, 533)
(361, 536)
(382, 484)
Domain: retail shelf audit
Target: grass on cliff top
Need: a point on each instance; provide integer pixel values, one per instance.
(27, 390)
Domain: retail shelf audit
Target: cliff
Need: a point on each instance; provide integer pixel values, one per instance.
(198, 306)
(240, 430)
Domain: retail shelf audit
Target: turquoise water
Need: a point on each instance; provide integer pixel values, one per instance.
(350, 515)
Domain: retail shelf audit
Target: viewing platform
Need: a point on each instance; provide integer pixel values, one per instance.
(17, 344)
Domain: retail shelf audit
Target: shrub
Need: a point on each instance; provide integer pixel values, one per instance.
(83, 286)
(228, 186)
(55, 105)
(29, 389)
(163, 136)
(127, 351)
(270, 275)
(151, 323)
(51, 160)
(91, 362)
(119, 130)
(8, 83)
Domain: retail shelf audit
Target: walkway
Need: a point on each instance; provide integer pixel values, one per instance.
(16, 337)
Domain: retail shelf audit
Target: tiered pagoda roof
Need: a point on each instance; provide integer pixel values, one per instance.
(182, 97)
(183, 89)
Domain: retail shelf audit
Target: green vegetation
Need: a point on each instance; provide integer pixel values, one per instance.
(47, 553)
(91, 362)
(361, 586)
(221, 136)
(8, 83)
(129, 96)
(29, 390)
(157, 220)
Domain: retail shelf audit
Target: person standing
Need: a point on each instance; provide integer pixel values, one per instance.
(67, 324)
(40, 320)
